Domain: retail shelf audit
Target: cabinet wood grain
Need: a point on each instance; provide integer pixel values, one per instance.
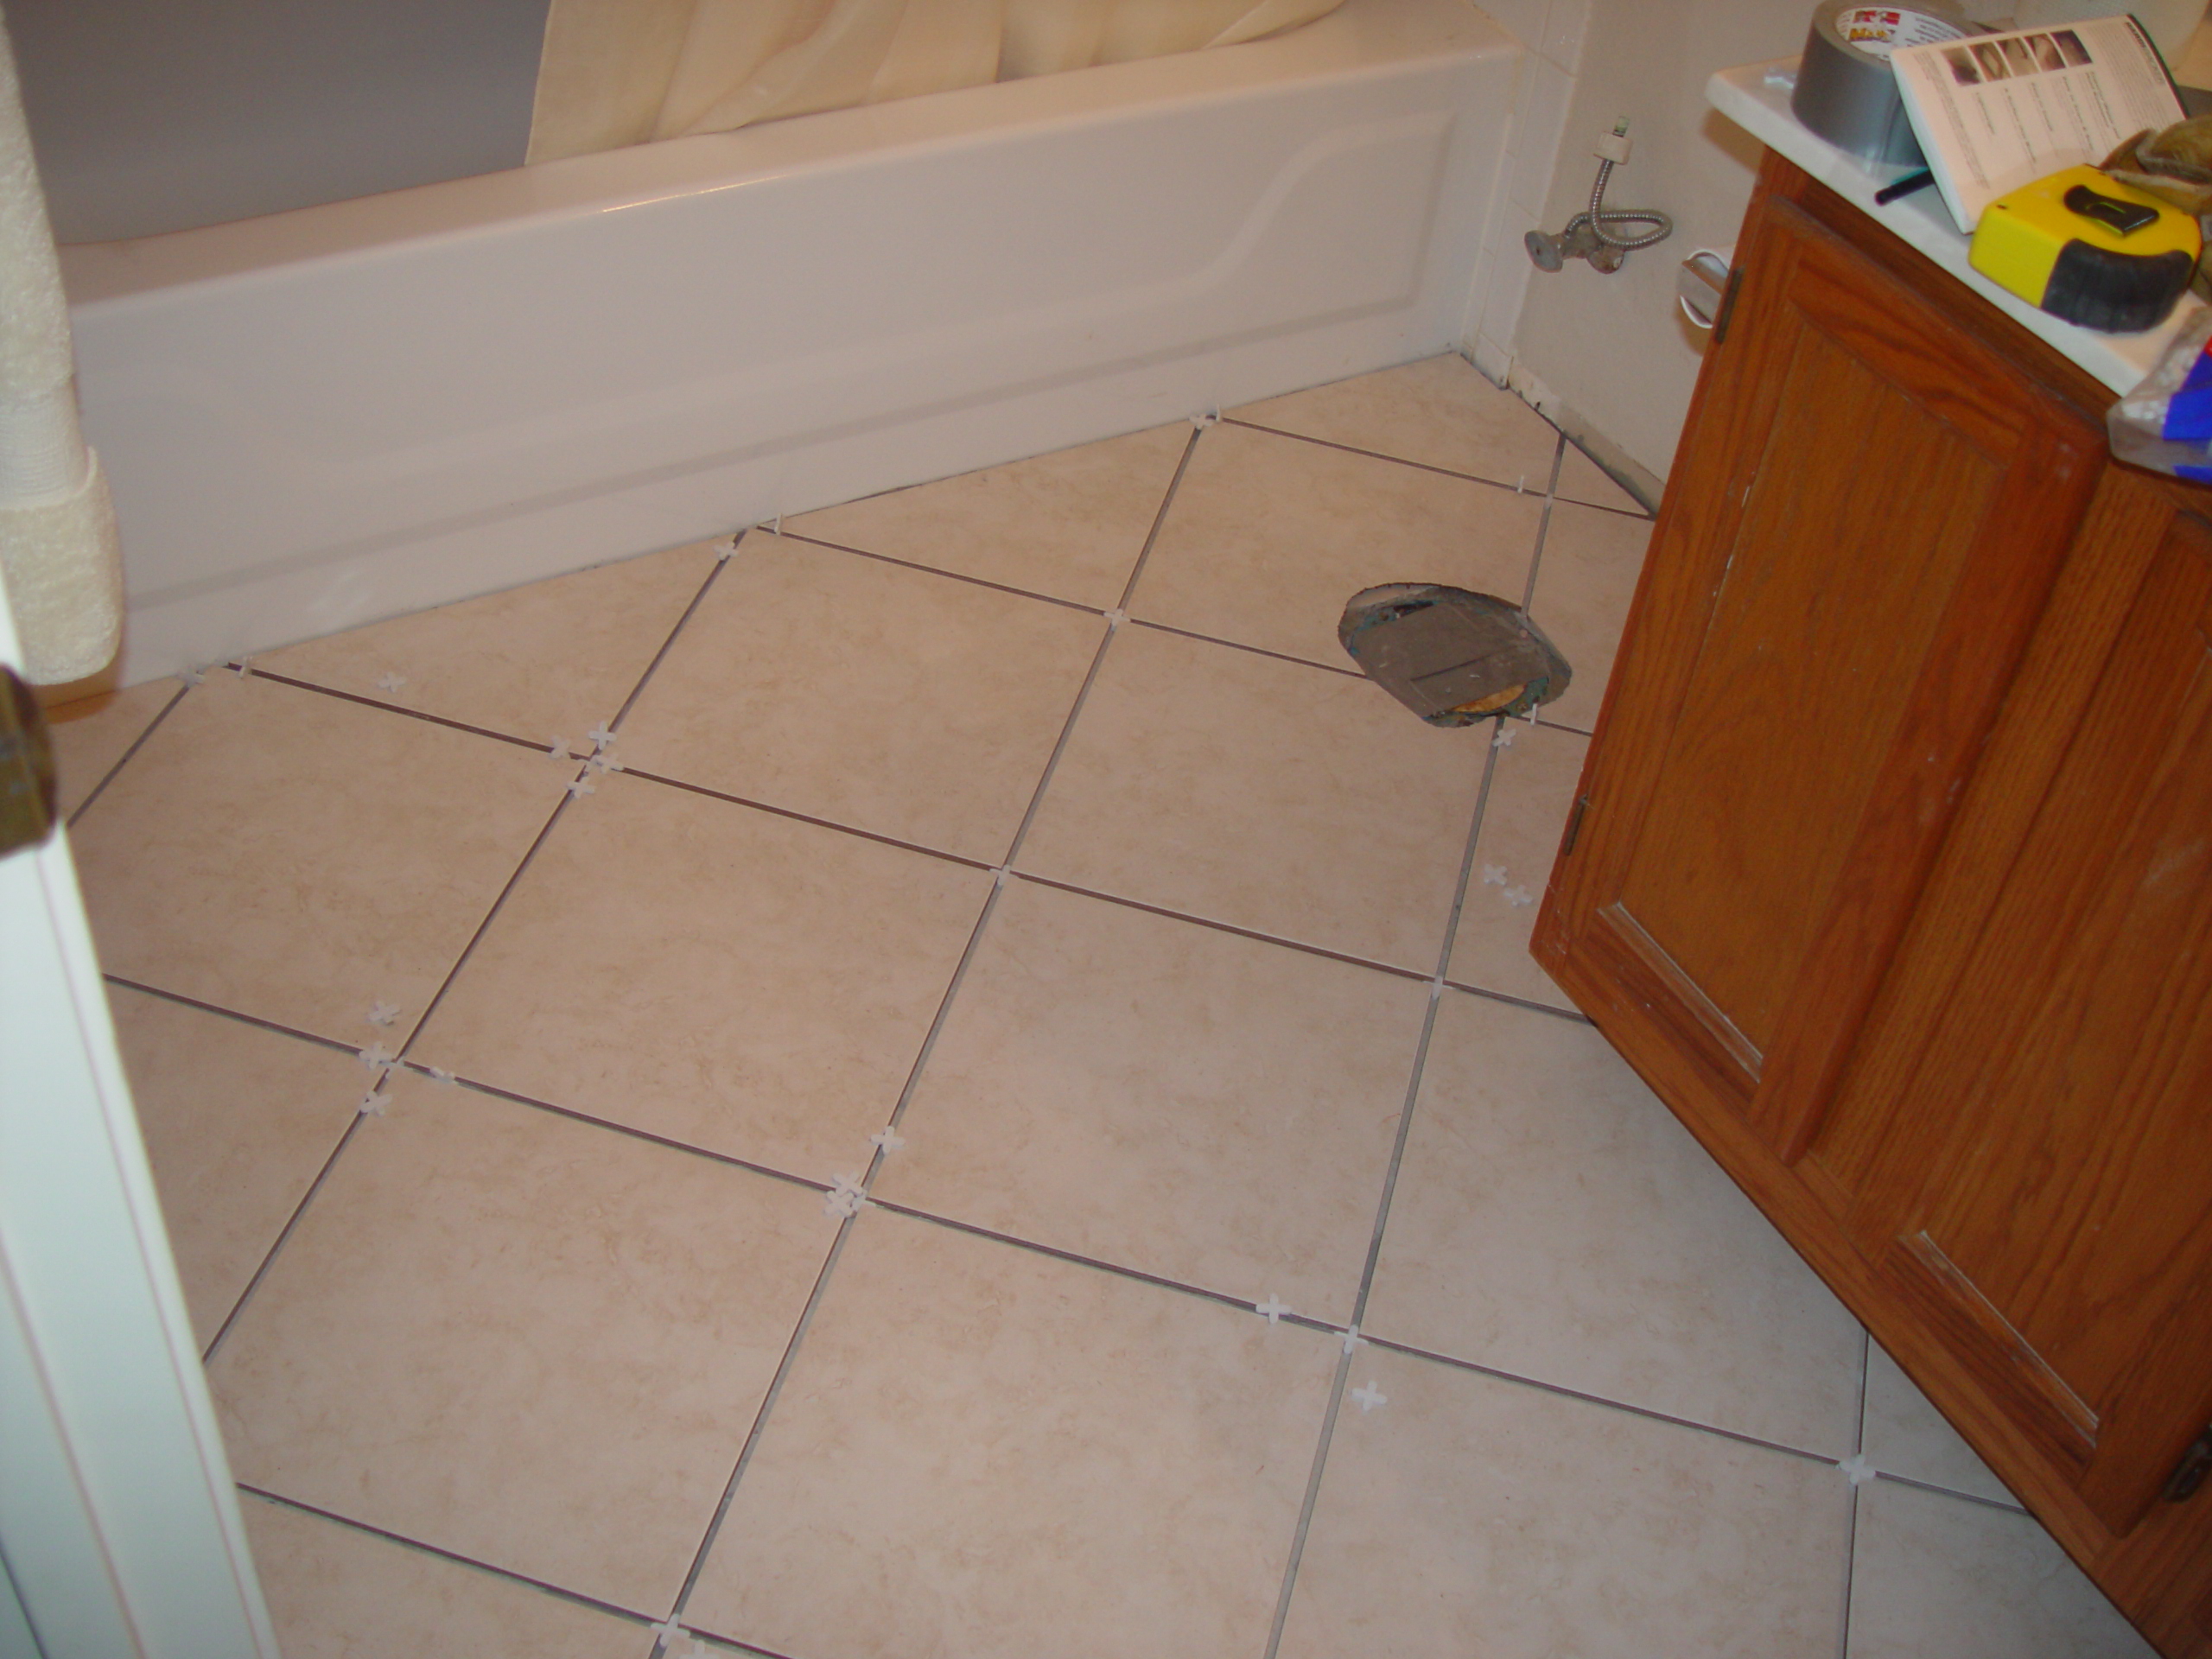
(1895, 877)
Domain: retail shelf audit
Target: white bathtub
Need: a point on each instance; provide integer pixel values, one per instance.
(326, 417)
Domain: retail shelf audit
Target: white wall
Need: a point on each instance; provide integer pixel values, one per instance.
(1611, 356)
(153, 115)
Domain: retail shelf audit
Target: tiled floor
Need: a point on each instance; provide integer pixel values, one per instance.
(886, 1159)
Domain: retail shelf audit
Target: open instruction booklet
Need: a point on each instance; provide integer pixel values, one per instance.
(1996, 112)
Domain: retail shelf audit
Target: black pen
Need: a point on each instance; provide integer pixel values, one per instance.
(1904, 186)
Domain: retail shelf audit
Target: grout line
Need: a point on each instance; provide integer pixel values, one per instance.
(405, 1542)
(698, 598)
(1391, 968)
(1114, 620)
(937, 1024)
(1073, 1258)
(806, 817)
(1573, 1015)
(728, 1159)
(1382, 1209)
(1851, 1521)
(1395, 461)
(1649, 1413)
(1543, 526)
(1306, 1504)
(939, 570)
(220, 1012)
(1427, 1030)
(422, 715)
(1256, 651)
(1059, 747)
(1952, 1491)
(760, 1421)
(276, 1245)
(490, 916)
(123, 760)
(1152, 535)
(1639, 510)
(554, 818)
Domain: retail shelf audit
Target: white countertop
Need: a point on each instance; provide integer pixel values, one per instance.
(1756, 97)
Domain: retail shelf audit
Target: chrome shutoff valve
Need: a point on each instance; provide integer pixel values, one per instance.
(1601, 234)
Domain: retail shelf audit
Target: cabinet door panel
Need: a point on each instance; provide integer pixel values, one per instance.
(1743, 840)
(1869, 510)
(2053, 1207)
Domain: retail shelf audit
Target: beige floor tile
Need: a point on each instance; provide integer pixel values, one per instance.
(984, 1454)
(1269, 535)
(301, 858)
(335, 1593)
(1531, 789)
(534, 1342)
(1552, 1219)
(1592, 560)
(555, 658)
(91, 734)
(1164, 1096)
(718, 975)
(1262, 794)
(237, 1120)
(1581, 478)
(1469, 1516)
(896, 701)
(1906, 1435)
(1070, 524)
(1935, 1577)
(1440, 411)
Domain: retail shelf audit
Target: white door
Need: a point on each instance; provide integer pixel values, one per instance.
(119, 1529)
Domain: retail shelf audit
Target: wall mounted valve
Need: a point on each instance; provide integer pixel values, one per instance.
(1601, 235)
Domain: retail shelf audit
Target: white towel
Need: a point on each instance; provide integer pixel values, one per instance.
(58, 549)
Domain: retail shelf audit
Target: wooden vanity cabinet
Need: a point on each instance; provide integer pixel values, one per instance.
(1890, 868)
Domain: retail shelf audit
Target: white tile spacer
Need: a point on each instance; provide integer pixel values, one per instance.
(384, 1014)
(1272, 1310)
(669, 1634)
(193, 675)
(605, 761)
(1116, 617)
(1369, 1397)
(558, 748)
(1353, 1339)
(998, 876)
(887, 1139)
(243, 668)
(1534, 710)
(1857, 1469)
(578, 789)
(439, 1074)
(373, 1103)
(600, 737)
(774, 527)
(1503, 738)
(1493, 875)
(390, 682)
(1520, 485)
(1518, 896)
(1208, 418)
(376, 1056)
(844, 1198)
(727, 546)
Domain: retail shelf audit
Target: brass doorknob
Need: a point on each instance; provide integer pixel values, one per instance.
(27, 786)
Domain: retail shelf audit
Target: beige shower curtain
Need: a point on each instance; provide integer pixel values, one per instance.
(624, 71)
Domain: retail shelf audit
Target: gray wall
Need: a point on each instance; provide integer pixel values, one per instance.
(154, 115)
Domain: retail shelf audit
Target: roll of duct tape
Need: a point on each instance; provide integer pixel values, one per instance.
(1847, 92)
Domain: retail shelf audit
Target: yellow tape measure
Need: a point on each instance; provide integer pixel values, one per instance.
(2088, 249)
